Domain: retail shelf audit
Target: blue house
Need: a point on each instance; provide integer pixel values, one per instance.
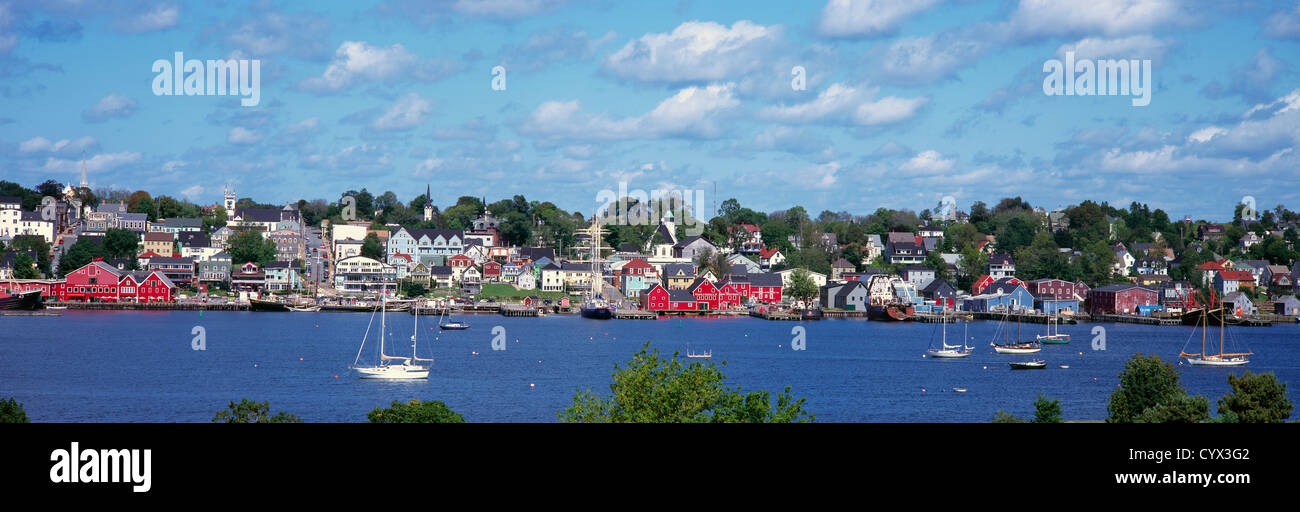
(1053, 306)
(1006, 294)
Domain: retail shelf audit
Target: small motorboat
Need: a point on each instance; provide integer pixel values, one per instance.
(454, 326)
(1038, 364)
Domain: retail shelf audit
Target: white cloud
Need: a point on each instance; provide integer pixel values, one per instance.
(1034, 19)
(1284, 24)
(927, 162)
(241, 135)
(192, 192)
(694, 52)
(267, 33)
(111, 106)
(693, 111)
(357, 61)
(867, 18)
(919, 60)
(1205, 134)
(407, 112)
(1132, 47)
(174, 165)
(67, 146)
(98, 163)
(847, 104)
(160, 17)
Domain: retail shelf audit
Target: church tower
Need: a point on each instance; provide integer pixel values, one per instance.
(230, 201)
(428, 204)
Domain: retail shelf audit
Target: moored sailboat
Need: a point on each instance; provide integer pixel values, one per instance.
(1204, 358)
(1054, 336)
(391, 367)
(1013, 347)
(946, 351)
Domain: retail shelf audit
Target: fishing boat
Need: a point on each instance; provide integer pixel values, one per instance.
(391, 367)
(1054, 336)
(594, 304)
(946, 351)
(1204, 358)
(266, 305)
(811, 314)
(1008, 346)
(1037, 364)
(707, 354)
(28, 300)
(890, 298)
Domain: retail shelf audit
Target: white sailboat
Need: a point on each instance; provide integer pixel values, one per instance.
(1204, 358)
(391, 367)
(949, 351)
(1013, 347)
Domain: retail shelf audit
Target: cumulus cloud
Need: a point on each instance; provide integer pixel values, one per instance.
(921, 60)
(39, 145)
(694, 52)
(867, 18)
(243, 136)
(1253, 81)
(358, 61)
(1130, 47)
(1036, 19)
(98, 163)
(847, 104)
(406, 113)
(546, 47)
(160, 17)
(112, 106)
(425, 12)
(1284, 24)
(267, 33)
(927, 162)
(692, 112)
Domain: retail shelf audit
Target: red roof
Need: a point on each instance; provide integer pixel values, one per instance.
(767, 253)
(406, 257)
(1212, 265)
(1236, 275)
(637, 263)
(149, 254)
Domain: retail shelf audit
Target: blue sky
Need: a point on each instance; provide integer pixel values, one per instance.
(907, 101)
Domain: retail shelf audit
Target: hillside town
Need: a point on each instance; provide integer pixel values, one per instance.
(110, 246)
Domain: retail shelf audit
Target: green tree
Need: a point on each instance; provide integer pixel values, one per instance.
(25, 267)
(1256, 398)
(1147, 382)
(651, 389)
(1047, 410)
(1005, 417)
(1180, 408)
(372, 248)
(415, 411)
(413, 289)
(802, 287)
(249, 246)
(121, 243)
(79, 255)
(11, 411)
(248, 411)
(36, 244)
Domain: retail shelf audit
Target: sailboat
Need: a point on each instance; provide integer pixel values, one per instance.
(949, 351)
(391, 367)
(453, 325)
(594, 304)
(1204, 358)
(1013, 347)
(1057, 337)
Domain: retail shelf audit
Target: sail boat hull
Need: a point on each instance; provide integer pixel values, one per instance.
(948, 354)
(1017, 349)
(1217, 361)
(1054, 339)
(394, 372)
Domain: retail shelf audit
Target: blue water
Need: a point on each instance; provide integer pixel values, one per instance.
(124, 366)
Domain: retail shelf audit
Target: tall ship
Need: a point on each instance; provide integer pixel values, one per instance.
(28, 300)
(594, 304)
(1204, 357)
(890, 298)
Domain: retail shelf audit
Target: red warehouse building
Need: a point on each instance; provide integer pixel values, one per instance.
(1120, 299)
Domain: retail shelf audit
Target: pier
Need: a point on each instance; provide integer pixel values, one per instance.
(934, 318)
(635, 314)
(776, 315)
(518, 311)
(1027, 318)
(1137, 319)
(150, 306)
